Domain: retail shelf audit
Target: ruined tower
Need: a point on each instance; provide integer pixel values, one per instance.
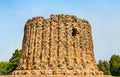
(61, 45)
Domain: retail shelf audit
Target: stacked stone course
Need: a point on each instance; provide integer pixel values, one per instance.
(60, 45)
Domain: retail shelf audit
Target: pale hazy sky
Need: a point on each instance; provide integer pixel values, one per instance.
(103, 15)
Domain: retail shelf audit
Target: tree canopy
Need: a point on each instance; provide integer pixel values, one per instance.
(8, 67)
(104, 66)
(112, 67)
(4, 68)
(115, 65)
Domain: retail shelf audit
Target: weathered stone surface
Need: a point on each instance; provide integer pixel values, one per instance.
(55, 76)
(60, 45)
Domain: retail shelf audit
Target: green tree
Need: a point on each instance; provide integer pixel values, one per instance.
(115, 65)
(104, 66)
(4, 68)
(14, 60)
(8, 67)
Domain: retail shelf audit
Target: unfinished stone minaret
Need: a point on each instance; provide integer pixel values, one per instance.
(61, 45)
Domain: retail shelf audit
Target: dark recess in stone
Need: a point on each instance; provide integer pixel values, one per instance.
(74, 32)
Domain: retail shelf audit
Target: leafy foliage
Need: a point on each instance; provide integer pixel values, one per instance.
(8, 67)
(14, 60)
(4, 68)
(104, 66)
(115, 65)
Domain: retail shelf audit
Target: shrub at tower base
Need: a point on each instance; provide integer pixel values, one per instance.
(115, 65)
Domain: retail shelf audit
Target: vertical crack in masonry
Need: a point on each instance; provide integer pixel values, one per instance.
(49, 45)
(66, 36)
(34, 56)
(28, 48)
(41, 54)
(58, 42)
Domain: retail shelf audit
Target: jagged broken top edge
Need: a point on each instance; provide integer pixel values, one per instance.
(57, 15)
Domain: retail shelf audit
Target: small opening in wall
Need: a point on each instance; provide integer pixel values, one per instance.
(74, 32)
